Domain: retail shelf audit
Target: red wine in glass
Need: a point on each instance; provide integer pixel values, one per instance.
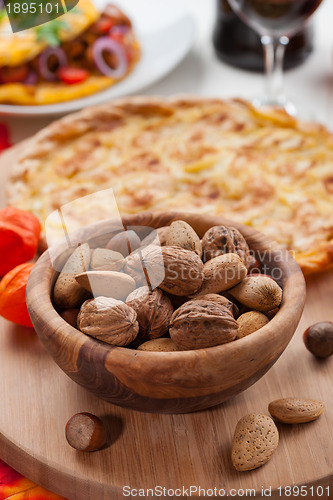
(239, 45)
(277, 16)
(275, 21)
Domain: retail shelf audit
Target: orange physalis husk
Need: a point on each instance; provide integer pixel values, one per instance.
(12, 295)
(19, 235)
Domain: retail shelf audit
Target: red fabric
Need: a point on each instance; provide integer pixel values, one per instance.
(14, 486)
(4, 137)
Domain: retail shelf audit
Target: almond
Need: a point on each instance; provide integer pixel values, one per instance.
(258, 292)
(67, 293)
(105, 259)
(107, 283)
(296, 411)
(255, 440)
(250, 322)
(182, 235)
(221, 273)
(158, 345)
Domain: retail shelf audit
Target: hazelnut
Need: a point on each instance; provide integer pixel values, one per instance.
(109, 320)
(70, 316)
(219, 240)
(154, 311)
(85, 432)
(318, 339)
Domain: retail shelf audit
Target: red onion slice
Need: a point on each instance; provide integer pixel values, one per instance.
(31, 79)
(106, 44)
(119, 30)
(44, 70)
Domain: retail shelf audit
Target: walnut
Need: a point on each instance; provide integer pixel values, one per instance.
(172, 269)
(109, 320)
(198, 324)
(154, 312)
(124, 242)
(183, 271)
(219, 240)
(215, 297)
(145, 266)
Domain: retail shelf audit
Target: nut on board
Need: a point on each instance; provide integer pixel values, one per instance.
(296, 410)
(85, 432)
(255, 440)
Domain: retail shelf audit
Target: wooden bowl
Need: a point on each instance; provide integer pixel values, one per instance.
(168, 382)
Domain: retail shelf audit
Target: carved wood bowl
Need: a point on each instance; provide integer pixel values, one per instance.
(168, 382)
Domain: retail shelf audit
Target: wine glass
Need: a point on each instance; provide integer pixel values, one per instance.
(275, 21)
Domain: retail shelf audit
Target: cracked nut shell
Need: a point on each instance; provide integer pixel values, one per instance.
(219, 240)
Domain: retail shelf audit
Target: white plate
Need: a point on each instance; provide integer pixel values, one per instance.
(166, 34)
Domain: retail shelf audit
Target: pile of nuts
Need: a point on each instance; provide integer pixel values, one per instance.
(169, 291)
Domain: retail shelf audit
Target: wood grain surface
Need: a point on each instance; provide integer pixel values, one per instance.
(171, 451)
(176, 382)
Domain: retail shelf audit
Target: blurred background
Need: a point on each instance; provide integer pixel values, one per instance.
(201, 72)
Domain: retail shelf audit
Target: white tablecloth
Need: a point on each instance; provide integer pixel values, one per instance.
(202, 73)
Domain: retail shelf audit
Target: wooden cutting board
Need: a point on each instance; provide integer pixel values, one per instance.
(174, 452)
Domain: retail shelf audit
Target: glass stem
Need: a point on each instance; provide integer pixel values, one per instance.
(274, 49)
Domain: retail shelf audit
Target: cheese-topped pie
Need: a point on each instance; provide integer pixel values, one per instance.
(263, 168)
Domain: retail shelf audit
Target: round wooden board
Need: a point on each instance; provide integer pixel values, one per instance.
(166, 451)
(147, 450)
